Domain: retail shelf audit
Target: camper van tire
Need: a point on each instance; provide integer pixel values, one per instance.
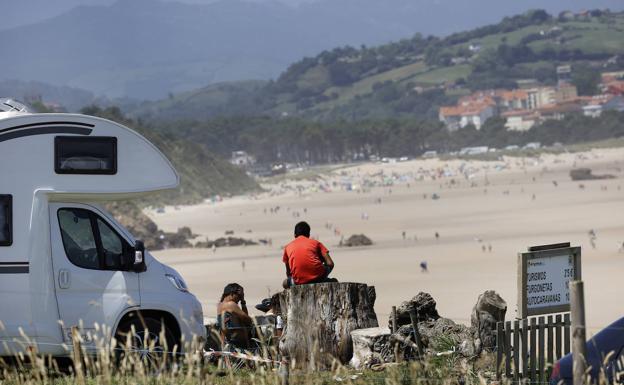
(138, 333)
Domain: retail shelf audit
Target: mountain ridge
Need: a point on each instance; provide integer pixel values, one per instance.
(147, 49)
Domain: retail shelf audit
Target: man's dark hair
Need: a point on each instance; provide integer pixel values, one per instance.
(302, 228)
(230, 288)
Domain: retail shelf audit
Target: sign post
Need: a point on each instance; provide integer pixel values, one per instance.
(544, 273)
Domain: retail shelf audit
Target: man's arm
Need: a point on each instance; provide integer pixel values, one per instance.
(287, 269)
(285, 260)
(325, 256)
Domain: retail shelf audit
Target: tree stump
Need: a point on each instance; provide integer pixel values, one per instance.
(319, 319)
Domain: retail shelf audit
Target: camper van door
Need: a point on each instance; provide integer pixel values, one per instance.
(92, 284)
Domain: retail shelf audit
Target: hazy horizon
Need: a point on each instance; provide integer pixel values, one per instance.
(26, 12)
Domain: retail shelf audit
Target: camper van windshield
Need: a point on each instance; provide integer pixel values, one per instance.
(5, 220)
(85, 155)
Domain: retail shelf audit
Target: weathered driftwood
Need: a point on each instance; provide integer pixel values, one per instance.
(486, 313)
(371, 347)
(319, 319)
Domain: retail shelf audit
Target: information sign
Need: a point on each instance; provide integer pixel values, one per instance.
(543, 276)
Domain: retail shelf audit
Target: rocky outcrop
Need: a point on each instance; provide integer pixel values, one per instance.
(489, 309)
(225, 242)
(357, 240)
(586, 174)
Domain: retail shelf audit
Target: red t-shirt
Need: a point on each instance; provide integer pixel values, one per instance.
(304, 259)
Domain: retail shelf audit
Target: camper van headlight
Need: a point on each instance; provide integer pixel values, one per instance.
(177, 282)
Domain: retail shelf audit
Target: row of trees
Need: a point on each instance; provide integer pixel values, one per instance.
(296, 140)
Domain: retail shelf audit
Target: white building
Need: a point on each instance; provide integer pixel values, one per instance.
(242, 159)
(457, 117)
(520, 120)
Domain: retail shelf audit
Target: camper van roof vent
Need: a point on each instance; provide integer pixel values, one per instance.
(12, 105)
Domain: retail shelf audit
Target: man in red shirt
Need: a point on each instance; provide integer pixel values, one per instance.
(307, 260)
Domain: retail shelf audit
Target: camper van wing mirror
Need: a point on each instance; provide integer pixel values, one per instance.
(138, 263)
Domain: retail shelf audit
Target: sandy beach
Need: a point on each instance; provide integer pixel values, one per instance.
(509, 205)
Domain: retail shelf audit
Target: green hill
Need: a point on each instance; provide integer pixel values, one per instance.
(413, 76)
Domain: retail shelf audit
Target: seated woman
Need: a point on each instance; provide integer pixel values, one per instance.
(234, 321)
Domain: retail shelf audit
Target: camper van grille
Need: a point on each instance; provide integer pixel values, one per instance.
(6, 220)
(85, 155)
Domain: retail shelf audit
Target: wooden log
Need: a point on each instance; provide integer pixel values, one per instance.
(579, 349)
(525, 348)
(566, 333)
(489, 309)
(417, 340)
(533, 349)
(366, 343)
(558, 333)
(395, 327)
(508, 349)
(500, 346)
(540, 350)
(516, 350)
(319, 319)
(550, 348)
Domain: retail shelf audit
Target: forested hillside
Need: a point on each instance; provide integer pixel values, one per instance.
(202, 173)
(414, 76)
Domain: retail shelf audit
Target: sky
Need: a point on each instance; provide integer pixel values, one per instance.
(22, 12)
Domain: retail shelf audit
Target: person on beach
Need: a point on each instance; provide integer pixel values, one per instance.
(307, 260)
(234, 322)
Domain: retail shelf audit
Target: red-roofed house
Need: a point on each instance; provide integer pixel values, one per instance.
(456, 117)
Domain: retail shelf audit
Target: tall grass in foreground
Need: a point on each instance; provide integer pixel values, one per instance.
(150, 363)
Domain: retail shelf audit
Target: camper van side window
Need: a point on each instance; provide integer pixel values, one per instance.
(78, 238)
(85, 155)
(89, 241)
(6, 220)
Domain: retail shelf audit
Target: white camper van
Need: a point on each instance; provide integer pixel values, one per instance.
(64, 261)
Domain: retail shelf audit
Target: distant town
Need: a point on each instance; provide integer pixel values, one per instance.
(532, 103)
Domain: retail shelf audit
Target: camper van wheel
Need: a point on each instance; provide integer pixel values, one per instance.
(146, 340)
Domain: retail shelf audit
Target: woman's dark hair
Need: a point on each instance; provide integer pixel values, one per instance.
(230, 288)
(302, 228)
